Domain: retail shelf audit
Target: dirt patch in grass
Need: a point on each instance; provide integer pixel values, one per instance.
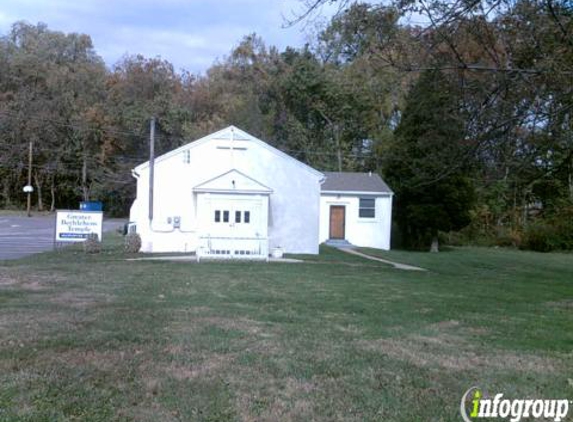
(34, 286)
(349, 329)
(444, 325)
(424, 311)
(24, 283)
(30, 325)
(32, 282)
(174, 349)
(6, 280)
(420, 351)
(561, 304)
(447, 348)
(193, 323)
(259, 393)
(54, 311)
(102, 360)
(285, 400)
(80, 300)
(452, 352)
(209, 366)
(154, 413)
(239, 333)
(245, 325)
(196, 310)
(477, 331)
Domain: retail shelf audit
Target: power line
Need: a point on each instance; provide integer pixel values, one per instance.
(67, 124)
(135, 158)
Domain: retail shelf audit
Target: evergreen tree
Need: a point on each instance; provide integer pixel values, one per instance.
(428, 163)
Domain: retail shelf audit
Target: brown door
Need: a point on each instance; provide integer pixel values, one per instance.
(337, 221)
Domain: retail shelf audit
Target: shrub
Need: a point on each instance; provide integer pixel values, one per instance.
(509, 238)
(554, 232)
(540, 237)
(563, 222)
(132, 243)
(92, 244)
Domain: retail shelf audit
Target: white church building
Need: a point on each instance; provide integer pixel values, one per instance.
(231, 195)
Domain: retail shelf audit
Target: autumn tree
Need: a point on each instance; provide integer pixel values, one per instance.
(52, 80)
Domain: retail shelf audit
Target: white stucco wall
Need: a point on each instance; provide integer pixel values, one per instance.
(293, 220)
(364, 232)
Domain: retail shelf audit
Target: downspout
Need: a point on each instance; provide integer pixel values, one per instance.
(151, 167)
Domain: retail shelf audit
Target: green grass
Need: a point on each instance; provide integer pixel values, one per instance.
(96, 338)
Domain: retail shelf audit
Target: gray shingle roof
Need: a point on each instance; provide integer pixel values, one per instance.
(354, 182)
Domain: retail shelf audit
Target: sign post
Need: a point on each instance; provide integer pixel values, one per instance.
(75, 226)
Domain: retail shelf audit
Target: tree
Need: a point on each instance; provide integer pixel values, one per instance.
(429, 162)
(513, 60)
(52, 79)
(359, 47)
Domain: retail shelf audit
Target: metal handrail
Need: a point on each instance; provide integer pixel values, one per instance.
(230, 247)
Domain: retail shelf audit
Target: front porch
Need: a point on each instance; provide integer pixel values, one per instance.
(233, 217)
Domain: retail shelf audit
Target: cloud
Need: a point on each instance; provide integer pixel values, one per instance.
(191, 34)
(190, 51)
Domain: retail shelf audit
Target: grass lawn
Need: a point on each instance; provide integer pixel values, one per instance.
(97, 338)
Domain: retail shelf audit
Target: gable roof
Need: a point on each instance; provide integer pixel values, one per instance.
(232, 181)
(347, 182)
(225, 134)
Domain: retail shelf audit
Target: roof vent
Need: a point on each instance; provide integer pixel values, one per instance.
(370, 173)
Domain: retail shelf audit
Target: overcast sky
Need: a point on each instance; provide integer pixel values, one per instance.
(191, 34)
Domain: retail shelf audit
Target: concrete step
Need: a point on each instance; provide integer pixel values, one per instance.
(339, 243)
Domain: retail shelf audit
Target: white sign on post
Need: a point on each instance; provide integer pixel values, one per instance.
(75, 226)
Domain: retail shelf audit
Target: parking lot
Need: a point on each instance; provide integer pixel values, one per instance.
(22, 236)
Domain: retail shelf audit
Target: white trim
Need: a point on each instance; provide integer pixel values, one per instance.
(263, 189)
(337, 202)
(353, 193)
(237, 191)
(217, 135)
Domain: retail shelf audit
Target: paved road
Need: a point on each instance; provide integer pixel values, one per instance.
(22, 236)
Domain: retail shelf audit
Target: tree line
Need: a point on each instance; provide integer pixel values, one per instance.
(463, 107)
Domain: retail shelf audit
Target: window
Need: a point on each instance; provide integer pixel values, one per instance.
(223, 216)
(367, 208)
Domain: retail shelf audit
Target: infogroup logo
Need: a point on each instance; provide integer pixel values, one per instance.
(512, 409)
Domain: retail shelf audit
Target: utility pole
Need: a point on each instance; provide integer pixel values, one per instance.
(30, 180)
(151, 165)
